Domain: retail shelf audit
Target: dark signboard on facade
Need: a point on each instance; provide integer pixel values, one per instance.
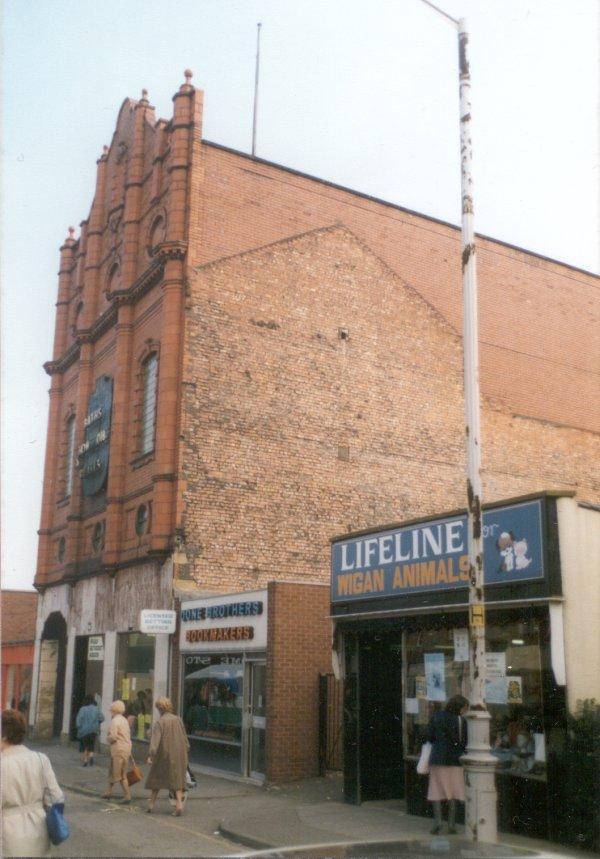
(93, 454)
(432, 555)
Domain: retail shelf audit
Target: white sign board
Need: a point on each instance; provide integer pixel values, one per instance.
(95, 648)
(153, 621)
(224, 623)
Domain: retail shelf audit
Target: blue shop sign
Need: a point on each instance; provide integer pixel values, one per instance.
(432, 556)
(93, 454)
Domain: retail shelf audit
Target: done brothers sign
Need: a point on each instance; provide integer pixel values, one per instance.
(432, 556)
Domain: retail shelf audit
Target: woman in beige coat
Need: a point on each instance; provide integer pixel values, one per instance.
(168, 756)
(28, 781)
(119, 739)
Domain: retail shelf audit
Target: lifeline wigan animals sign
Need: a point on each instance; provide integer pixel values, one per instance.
(432, 556)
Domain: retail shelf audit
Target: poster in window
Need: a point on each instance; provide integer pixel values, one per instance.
(514, 690)
(495, 690)
(420, 688)
(461, 645)
(435, 677)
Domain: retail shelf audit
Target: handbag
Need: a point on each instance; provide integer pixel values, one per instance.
(134, 774)
(56, 823)
(423, 765)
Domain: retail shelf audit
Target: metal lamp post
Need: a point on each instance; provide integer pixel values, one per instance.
(479, 763)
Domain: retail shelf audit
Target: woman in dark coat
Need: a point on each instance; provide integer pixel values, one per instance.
(447, 733)
(168, 756)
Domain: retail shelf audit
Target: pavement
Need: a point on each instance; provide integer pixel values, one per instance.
(248, 818)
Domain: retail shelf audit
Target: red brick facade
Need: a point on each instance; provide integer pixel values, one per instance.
(298, 650)
(309, 383)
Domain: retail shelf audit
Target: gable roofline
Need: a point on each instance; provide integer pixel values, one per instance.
(254, 159)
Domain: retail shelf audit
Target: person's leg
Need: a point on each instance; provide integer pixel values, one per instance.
(452, 816)
(108, 793)
(437, 816)
(152, 800)
(126, 790)
(178, 802)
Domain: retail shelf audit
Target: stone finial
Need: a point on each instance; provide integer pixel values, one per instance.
(105, 149)
(188, 75)
(144, 95)
(72, 233)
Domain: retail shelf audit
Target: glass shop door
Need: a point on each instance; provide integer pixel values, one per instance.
(256, 719)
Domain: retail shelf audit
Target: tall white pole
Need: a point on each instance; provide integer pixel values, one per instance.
(479, 763)
(480, 812)
(256, 72)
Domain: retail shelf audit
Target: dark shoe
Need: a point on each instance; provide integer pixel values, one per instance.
(126, 801)
(436, 829)
(84, 764)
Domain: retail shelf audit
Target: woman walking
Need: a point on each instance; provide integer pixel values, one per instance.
(27, 781)
(168, 756)
(87, 723)
(119, 739)
(447, 733)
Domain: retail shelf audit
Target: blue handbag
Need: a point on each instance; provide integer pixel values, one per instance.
(56, 824)
(58, 828)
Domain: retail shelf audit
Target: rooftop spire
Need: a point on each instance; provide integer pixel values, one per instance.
(187, 86)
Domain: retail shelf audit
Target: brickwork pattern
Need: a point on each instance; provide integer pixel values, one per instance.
(298, 651)
(19, 612)
(324, 395)
(539, 320)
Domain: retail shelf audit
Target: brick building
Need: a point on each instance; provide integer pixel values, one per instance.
(19, 609)
(247, 361)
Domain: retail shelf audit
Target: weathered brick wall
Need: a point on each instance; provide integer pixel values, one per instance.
(298, 650)
(294, 434)
(538, 319)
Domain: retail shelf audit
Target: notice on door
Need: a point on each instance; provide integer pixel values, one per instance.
(95, 648)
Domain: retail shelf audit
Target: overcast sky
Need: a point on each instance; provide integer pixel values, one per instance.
(360, 92)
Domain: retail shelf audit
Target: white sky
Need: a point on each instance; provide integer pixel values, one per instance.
(360, 92)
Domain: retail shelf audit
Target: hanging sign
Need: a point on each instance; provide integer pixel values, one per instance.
(92, 455)
(432, 556)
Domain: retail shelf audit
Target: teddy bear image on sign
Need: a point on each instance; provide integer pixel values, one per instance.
(512, 552)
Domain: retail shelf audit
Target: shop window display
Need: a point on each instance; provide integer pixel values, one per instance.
(437, 667)
(213, 697)
(134, 681)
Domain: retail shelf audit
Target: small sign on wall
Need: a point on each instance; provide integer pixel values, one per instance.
(95, 648)
(155, 621)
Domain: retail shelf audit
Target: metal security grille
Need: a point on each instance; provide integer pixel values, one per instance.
(331, 697)
(148, 416)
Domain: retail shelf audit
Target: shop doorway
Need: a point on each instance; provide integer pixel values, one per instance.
(373, 742)
(88, 670)
(51, 688)
(256, 719)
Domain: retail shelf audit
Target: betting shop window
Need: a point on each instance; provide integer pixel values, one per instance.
(213, 697)
(437, 667)
(134, 680)
(148, 408)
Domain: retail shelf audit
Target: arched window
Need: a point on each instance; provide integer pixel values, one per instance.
(70, 455)
(148, 411)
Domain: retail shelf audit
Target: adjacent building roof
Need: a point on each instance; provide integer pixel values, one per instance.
(19, 611)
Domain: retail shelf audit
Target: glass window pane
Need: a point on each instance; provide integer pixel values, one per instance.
(148, 415)
(134, 680)
(70, 462)
(513, 691)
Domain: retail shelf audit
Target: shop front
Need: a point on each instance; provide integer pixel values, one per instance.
(223, 644)
(399, 603)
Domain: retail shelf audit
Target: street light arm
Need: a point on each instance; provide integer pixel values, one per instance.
(441, 12)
